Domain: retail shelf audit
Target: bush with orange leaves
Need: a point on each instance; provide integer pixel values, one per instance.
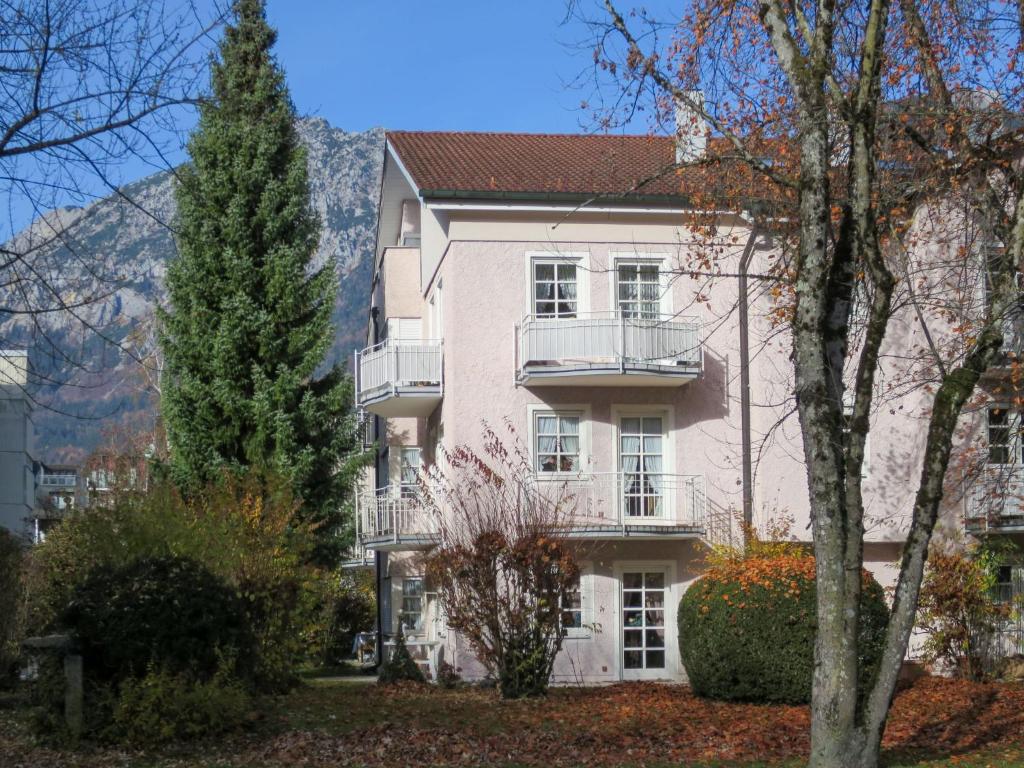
(746, 627)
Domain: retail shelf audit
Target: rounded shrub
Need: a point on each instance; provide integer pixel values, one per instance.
(746, 630)
(164, 612)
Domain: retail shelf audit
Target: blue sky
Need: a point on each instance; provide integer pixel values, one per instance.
(432, 64)
(473, 65)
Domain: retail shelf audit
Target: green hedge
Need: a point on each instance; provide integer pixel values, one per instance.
(165, 611)
(746, 630)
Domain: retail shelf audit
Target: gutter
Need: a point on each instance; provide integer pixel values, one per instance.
(378, 556)
(562, 197)
(745, 437)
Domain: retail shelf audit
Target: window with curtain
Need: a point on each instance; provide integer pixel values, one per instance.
(411, 613)
(409, 472)
(639, 290)
(554, 289)
(557, 442)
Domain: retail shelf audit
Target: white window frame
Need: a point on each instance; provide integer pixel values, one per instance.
(583, 412)
(414, 631)
(619, 258)
(848, 398)
(1015, 445)
(586, 630)
(667, 412)
(398, 450)
(581, 259)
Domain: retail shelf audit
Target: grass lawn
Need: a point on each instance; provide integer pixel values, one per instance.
(348, 722)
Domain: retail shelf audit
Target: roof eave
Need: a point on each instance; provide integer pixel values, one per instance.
(554, 197)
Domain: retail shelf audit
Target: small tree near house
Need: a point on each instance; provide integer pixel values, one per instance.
(503, 570)
(958, 610)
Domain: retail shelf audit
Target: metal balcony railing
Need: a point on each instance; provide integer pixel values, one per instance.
(594, 502)
(633, 499)
(392, 513)
(996, 497)
(395, 365)
(610, 337)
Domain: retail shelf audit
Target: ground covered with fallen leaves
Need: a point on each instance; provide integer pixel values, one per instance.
(341, 722)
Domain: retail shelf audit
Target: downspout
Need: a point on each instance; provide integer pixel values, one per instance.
(378, 557)
(748, 483)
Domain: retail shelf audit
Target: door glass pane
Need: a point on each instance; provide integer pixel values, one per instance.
(632, 580)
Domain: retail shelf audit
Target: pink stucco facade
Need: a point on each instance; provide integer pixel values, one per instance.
(471, 282)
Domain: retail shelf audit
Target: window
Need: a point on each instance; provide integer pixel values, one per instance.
(639, 290)
(1004, 445)
(409, 472)
(847, 419)
(572, 608)
(554, 289)
(557, 442)
(411, 614)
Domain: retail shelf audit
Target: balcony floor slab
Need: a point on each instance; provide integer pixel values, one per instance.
(402, 402)
(607, 375)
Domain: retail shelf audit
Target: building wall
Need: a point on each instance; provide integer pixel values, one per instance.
(17, 445)
(482, 260)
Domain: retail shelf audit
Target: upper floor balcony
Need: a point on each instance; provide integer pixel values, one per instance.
(612, 505)
(393, 518)
(995, 500)
(608, 349)
(58, 479)
(400, 377)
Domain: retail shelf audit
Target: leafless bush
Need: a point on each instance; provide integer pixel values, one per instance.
(503, 569)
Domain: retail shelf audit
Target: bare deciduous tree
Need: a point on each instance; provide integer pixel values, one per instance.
(89, 88)
(886, 139)
(503, 570)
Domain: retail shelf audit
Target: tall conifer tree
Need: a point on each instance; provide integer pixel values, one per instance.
(249, 321)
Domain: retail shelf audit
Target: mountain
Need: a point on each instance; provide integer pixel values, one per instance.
(116, 251)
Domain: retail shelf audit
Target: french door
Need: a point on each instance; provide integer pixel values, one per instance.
(644, 637)
(641, 466)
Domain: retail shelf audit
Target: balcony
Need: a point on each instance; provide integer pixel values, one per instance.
(398, 378)
(608, 349)
(613, 505)
(633, 504)
(392, 518)
(995, 501)
(58, 479)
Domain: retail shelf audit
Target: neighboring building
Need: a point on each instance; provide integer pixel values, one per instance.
(518, 277)
(17, 443)
(60, 490)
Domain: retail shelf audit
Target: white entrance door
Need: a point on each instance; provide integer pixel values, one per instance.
(644, 635)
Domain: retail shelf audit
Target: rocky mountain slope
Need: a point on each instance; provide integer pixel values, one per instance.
(117, 249)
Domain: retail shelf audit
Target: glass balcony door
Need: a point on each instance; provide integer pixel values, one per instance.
(641, 466)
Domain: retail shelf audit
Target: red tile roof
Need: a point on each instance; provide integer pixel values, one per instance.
(542, 165)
